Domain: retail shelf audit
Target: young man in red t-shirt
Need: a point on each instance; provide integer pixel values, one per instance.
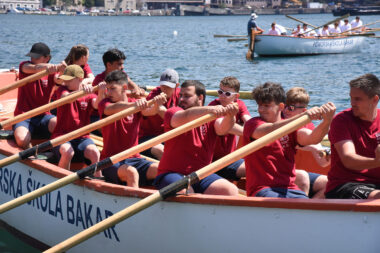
(229, 93)
(153, 126)
(74, 116)
(35, 94)
(270, 171)
(123, 134)
(194, 149)
(355, 144)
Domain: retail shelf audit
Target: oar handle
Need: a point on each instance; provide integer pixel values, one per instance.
(36, 111)
(24, 81)
(176, 186)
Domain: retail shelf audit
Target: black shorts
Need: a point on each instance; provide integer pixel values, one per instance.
(352, 190)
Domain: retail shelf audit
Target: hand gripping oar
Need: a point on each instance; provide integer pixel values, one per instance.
(36, 111)
(171, 189)
(299, 20)
(214, 93)
(330, 22)
(69, 136)
(24, 81)
(105, 163)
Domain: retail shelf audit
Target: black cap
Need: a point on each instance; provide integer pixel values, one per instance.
(39, 49)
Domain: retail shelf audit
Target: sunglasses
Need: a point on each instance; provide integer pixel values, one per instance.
(226, 93)
(293, 107)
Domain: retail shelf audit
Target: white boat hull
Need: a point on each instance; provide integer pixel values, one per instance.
(271, 45)
(197, 223)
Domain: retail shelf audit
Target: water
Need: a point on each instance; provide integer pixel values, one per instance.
(151, 46)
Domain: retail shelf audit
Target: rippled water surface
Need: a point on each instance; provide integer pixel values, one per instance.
(150, 46)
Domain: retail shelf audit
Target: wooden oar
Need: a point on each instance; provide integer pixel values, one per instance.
(352, 35)
(106, 163)
(299, 20)
(227, 36)
(173, 188)
(36, 111)
(69, 136)
(214, 93)
(359, 27)
(330, 22)
(237, 39)
(251, 50)
(24, 81)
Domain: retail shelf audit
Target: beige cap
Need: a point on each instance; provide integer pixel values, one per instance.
(71, 72)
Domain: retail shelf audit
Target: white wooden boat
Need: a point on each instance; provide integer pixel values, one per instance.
(194, 223)
(273, 45)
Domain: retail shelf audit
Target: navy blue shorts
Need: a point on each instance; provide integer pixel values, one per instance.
(312, 178)
(79, 145)
(38, 126)
(281, 193)
(229, 172)
(167, 178)
(142, 165)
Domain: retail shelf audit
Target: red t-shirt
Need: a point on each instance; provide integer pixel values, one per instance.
(99, 78)
(365, 135)
(154, 125)
(227, 144)
(119, 135)
(34, 94)
(87, 70)
(272, 165)
(74, 115)
(189, 151)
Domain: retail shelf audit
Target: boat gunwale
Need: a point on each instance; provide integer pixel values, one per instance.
(7, 148)
(308, 38)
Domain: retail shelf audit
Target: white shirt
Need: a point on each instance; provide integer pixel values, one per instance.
(323, 32)
(344, 28)
(274, 32)
(281, 29)
(334, 30)
(355, 24)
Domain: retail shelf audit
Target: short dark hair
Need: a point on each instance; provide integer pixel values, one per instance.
(231, 82)
(368, 83)
(200, 89)
(113, 55)
(117, 76)
(269, 92)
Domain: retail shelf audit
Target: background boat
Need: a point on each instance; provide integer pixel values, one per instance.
(357, 11)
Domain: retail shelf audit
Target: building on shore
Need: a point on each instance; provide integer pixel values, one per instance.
(120, 5)
(13, 4)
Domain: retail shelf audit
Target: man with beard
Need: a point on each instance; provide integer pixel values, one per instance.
(355, 139)
(194, 149)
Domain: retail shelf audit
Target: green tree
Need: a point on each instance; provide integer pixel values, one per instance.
(89, 3)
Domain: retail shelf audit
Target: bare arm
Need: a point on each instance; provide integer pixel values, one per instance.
(153, 110)
(236, 130)
(101, 94)
(182, 117)
(30, 68)
(223, 125)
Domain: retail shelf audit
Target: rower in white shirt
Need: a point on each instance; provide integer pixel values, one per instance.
(356, 23)
(335, 29)
(324, 31)
(307, 32)
(297, 30)
(280, 28)
(273, 31)
(345, 27)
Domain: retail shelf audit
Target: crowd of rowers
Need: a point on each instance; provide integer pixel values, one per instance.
(270, 171)
(337, 28)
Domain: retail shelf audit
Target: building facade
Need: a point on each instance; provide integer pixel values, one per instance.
(13, 4)
(120, 5)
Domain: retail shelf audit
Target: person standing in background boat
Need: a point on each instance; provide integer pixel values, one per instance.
(229, 88)
(313, 184)
(153, 126)
(73, 116)
(123, 134)
(194, 149)
(346, 26)
(355, 144)
(270, 171)
(252, 25)
(356, 24)
(273, 30)
(35, 94)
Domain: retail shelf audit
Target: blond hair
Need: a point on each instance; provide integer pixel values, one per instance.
(297, 95)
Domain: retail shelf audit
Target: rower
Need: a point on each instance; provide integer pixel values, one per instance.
(229, 93)
(346, 26)
(194, 149)
(152, 126)
(123, 134)
(270, 171)
(355, 144)
(335, 30)
(297, 30)
(73, 116)
(273, 30)
(324, 31)
(35, 94)
(356, 23)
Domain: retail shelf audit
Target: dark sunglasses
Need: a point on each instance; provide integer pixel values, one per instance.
(293, 107)
(226, 93)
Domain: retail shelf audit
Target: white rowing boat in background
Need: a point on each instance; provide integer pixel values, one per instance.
(273, 45)
(194, 223)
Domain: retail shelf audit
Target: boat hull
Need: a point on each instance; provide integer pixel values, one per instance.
(196, 223)
(270, 45)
